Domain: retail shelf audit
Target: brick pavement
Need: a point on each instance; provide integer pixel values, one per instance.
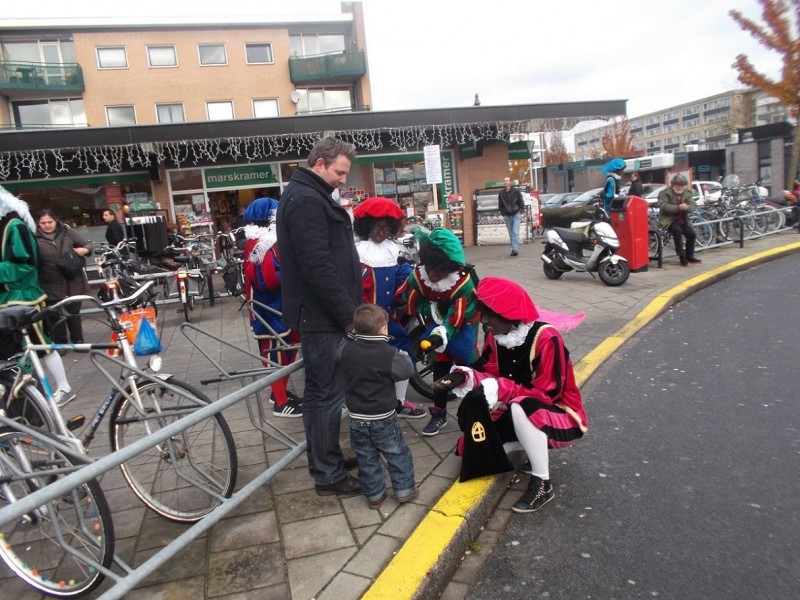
(287, 542)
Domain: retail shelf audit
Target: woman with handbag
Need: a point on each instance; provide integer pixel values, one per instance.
(62, 256)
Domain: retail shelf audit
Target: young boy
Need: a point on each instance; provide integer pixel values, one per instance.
(370, 366)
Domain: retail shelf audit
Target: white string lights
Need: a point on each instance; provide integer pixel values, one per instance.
(46, 163)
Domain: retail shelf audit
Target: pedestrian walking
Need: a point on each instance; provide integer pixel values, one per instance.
(510, 205)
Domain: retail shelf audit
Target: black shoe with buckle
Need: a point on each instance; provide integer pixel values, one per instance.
(344, 487)
(539, 493)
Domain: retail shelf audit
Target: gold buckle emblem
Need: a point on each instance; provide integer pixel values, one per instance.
(478, 432)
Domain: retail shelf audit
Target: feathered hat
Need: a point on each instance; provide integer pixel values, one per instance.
(615, 164)
(10, 203)
(260, 210)
(510, 300)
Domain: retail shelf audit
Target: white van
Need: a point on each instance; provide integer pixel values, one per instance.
(703, 191)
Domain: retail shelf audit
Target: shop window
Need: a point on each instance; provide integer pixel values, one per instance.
(112, 58)
(120, 116)
(186, 179)
(212, 54)
(162, 56)
(258, 54)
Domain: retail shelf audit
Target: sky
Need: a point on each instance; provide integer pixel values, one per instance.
(440, 53)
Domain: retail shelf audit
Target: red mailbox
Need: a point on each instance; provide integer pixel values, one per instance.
(630, 222)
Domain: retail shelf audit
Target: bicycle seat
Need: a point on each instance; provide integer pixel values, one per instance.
(182, 259)
(15, 317)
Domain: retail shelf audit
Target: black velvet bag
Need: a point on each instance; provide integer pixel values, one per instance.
(482, 451)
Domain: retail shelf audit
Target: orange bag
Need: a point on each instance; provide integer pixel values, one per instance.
(134, 317)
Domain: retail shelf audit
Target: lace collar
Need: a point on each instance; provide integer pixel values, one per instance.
(378, 255)
(514, 338)
(443, 284)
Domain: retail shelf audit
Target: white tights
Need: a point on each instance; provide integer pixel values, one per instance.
(400, 388)
(55, 365)
(533, 441)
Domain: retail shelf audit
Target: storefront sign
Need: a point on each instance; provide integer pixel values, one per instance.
(448, 176)
(519, 151)
(233, 177)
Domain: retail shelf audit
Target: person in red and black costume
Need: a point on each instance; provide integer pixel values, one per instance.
(262, 283)
(526, 376)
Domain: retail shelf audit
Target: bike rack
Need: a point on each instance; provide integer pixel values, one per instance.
(94, 468)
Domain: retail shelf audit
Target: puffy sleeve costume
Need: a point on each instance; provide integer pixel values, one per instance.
(529, 366)
(382, 275)
(449, 305)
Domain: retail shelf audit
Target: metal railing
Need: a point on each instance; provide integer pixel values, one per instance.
(41, 76)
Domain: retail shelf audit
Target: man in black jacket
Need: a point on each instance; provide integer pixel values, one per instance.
(114, 232)
(510, 205)
(320, 287)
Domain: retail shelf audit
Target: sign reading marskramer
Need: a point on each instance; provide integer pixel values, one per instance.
(249, 175)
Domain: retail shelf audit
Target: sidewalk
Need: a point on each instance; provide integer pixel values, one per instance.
(287, 542)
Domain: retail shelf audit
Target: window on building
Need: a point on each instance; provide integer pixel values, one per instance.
(324, 100)
(120, 116)
(112, 58)
(212, 54)
(311, 44)
(68, 112)
(162, 56)
(265, 108)
(258, 54)
(170, 113)
(219, 110)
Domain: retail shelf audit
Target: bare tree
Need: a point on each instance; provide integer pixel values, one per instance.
(781, 33)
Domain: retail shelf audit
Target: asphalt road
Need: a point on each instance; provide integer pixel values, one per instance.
(687, 485)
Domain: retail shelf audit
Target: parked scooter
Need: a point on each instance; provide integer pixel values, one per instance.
(564, 250)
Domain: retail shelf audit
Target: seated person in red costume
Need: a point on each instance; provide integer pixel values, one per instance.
(526, 375)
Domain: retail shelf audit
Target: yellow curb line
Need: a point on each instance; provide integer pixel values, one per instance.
(403, 576)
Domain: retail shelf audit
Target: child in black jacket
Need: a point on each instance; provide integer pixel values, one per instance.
(370, 366)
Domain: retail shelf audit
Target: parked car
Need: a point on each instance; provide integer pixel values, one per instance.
(556, 200)
(587, 197)
(706, 191)
(646, 189)
(652, 195)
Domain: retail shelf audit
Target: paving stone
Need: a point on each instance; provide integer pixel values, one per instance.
(374, 556)
(308, 575)
(312, 536)
(345, 587)
(245, 569)
(243, 531)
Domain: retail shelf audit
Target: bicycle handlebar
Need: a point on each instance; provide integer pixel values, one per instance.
(127, 301)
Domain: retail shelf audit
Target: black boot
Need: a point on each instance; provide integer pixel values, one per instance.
(539, 493)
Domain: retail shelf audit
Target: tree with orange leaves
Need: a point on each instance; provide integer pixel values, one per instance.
(556, 152)
(781, 33)
(617, 141)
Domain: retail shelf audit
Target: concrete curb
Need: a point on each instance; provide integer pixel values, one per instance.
(424, 565)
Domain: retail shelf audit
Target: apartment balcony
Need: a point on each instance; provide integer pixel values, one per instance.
(345, 67)
(21, 78)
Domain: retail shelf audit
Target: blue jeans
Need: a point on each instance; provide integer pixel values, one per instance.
(369, 440)
(512, 222)
(322, 406)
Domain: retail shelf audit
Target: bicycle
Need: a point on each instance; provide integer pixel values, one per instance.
(187, 282)
(62, 547)
(184, 478)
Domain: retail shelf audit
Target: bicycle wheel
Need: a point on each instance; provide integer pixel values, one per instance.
(742, 227)
(704, 232)
(187, 476)
(56, 547)
(28, 406)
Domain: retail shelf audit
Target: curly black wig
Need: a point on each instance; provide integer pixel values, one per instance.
(363, 226)
(432, 257)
